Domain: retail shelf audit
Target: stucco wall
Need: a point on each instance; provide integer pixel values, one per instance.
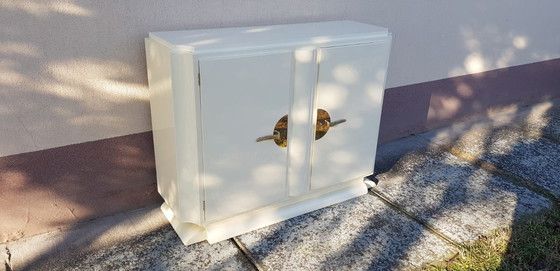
(74, 71)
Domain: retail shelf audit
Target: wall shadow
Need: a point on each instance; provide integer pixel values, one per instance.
(46, 190)
(43, 79)
(414, 109)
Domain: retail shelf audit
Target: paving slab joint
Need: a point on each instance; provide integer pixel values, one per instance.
(493, 169)
(247, 254)
(423, 223)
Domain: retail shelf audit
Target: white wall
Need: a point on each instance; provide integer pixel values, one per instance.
(74, 71)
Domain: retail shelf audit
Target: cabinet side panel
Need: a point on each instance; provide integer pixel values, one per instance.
(187, 129)
(351, 87)
(379, 93)
(163, 128)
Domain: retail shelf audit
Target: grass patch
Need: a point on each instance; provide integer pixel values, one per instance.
(532, 244)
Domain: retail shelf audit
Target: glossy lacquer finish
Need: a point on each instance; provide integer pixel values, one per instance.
(242, 98)
(256, 125)
(350, 87)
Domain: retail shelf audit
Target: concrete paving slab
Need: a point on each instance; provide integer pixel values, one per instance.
(85, 236)
(543, 118)
(140, 239)
(390, 153)
(536, 160)
(458, 199)
(508, 148)
(158, 250)
(359, 234)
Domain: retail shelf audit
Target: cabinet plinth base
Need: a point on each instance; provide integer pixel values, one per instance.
(189, 233)
(217, 231)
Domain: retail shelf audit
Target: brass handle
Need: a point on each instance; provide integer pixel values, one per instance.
(276, 135)
(336, 122)
(324, 123)
(280, 133)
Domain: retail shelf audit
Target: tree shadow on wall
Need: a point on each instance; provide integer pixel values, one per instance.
(60, 91)
(44, 80)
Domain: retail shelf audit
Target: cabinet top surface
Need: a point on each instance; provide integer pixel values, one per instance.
(322, 33)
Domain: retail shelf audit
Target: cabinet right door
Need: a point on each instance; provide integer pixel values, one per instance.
(350, 87)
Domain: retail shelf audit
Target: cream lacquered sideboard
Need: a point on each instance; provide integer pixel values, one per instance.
(255, 125)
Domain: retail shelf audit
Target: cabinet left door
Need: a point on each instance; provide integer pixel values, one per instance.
(242, 99)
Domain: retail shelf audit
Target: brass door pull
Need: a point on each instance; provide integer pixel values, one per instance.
(324, 123)
(336, 122)
(276, 135)
(280, 133)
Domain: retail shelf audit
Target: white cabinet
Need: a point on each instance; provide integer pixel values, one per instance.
(255, 125)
